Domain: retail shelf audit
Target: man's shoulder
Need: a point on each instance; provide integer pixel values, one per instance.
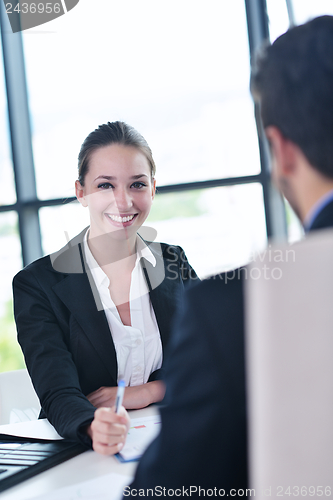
(219, 284)
(217, 301)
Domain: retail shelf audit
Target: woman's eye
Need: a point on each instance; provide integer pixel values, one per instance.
(105, 185)
(138, 185)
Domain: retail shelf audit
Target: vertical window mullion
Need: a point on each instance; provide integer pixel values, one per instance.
(20, 134)
(276, 224)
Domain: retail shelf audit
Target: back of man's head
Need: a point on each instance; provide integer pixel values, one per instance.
(293, 81)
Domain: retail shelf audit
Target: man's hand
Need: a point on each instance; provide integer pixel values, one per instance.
(108, 430)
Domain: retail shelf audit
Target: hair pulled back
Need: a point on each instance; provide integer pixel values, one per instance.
(112, 133)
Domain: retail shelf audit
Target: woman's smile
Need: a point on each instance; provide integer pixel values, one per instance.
(122, 220)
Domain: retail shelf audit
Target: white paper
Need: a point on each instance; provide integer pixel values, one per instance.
(109, 487)
(142, 431)
(36, 429)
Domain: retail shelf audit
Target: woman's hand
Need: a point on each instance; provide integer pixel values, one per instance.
(135, 397)
(108, 430)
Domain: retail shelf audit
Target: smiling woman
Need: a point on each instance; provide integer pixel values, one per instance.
(100, 309)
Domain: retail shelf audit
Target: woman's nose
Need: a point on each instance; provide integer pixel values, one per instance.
(123, 200)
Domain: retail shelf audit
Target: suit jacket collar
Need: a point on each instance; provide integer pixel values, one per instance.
(324, 218)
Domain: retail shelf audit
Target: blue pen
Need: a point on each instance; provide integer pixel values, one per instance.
(120, 394)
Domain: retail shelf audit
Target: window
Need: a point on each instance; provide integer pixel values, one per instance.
(219, 228)
(7, 196)
(10, 263)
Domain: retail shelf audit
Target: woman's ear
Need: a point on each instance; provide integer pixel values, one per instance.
(79, 192)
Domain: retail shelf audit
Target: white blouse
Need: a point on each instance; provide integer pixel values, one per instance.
(138, 347)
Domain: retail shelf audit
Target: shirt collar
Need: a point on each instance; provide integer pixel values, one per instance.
(316, 209)
(143, 251)
(99, 275)
(100, 278)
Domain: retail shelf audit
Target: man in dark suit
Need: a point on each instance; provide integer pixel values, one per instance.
(203, 441)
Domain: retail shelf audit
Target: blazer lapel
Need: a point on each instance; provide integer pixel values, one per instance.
(160, 291)
(79, 294)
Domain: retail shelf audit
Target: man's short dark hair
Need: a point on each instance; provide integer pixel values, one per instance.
(293, 81)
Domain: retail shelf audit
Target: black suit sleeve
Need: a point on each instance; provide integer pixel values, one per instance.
(176, 261)
(49, 360)
(203, 438)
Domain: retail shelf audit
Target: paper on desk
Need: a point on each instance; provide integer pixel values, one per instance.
(141, 433)
(109, 487)
(36, 429)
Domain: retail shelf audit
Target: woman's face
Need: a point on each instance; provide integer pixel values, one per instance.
(118, 190)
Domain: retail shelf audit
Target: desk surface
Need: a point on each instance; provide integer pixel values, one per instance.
(88, 465)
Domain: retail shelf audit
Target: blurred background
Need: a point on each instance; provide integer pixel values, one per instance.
(178, 71)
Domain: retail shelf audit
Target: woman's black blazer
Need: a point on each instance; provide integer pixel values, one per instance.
(64, 334)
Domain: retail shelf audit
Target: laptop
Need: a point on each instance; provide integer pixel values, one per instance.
(22, 458)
